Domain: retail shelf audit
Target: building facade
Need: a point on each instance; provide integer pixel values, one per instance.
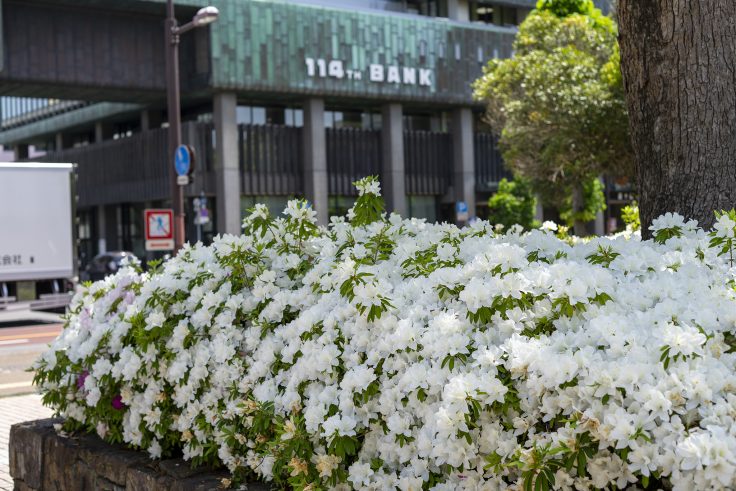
(280, 99)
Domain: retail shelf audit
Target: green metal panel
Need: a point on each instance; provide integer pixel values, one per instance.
(261, 46)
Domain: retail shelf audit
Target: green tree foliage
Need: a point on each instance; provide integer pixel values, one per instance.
(513, 203)
(558, 104)
(563, 8)
(594, 201)
(630, 216)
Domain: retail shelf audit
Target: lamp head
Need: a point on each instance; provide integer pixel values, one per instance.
(205, 15)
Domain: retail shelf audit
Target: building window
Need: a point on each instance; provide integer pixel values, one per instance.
(434, 8)
(130, 228)
(86, 233)
(431, 8)
(275, 204)
(353, 119)
(339, 205)
(124, 130)
(294, 117)
(439, 122)
(269, 115)
(423, 207)
(494, 13)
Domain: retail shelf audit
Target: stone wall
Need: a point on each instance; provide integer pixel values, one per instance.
(41, 460)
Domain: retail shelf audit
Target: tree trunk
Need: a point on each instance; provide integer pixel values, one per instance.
(578, 205)
(678, 59)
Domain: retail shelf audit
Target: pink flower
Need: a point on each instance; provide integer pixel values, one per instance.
(117, 402)
(81, 378)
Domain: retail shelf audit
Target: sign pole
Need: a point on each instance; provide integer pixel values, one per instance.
(174, 113)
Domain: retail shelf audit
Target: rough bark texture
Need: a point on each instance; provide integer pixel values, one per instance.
(578, 205)
(678, 59)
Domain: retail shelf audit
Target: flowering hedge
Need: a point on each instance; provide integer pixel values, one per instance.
(382, 353)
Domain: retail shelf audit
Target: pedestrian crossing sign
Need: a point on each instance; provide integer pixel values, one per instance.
(159, 229)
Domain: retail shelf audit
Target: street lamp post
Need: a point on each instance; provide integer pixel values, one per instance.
(172, 31)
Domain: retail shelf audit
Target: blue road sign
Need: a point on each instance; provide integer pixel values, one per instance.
(461, 211)
(182, 160)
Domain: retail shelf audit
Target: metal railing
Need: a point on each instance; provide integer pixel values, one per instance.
(489, 167)
(270, 159)
(136, 168)
(428, 162)
(352, 153)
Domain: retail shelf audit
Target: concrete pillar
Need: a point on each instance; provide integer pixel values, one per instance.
(150, 119)
(227, 169)
(393, 175)
(59, 144)
(20, 151)
(458, 10)
(103, 131)
(463, 158)
(315, 158)
(145, 121)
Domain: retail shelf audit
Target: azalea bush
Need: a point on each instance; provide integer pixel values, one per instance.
(383, 353)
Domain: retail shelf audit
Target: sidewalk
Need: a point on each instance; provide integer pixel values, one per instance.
(14, 410)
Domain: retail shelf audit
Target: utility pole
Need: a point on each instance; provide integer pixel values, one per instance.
(172, 31)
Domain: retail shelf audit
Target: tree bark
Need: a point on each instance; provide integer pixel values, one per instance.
(678, 59)
(578, 205)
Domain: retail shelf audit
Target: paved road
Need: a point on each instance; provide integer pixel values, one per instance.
(15, 410)
(24, 335)
(21, 345)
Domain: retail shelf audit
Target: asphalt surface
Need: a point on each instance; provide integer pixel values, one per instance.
(24, 336)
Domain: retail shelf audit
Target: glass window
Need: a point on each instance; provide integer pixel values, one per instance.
(124, 130)
(275, 204)
(423, 207)
(259, 115)
(244, 114)
(268, 115)
(417, 122)
(250, 115)
(493, 13)
(423, 7)
(130, 228)
(294, 117)
(371, 121)
(418, 7)
(483, 13)
(427, 122)
(339, 205)
(275, 115)
(329, 119)
(85, 233)
(352, 119)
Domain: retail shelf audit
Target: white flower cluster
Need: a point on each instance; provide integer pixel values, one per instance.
(406, 355)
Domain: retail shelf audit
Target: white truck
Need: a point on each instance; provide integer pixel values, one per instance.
(37, 233)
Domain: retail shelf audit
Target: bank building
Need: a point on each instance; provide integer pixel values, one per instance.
(279, 99)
